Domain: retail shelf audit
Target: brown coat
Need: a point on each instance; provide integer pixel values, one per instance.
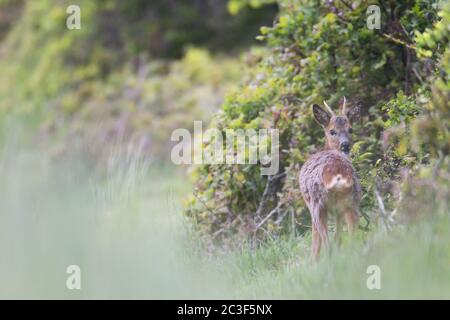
(329, 184)
(327, 174)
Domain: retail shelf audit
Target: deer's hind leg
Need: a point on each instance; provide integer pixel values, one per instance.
(351, 217)
(338, 231)
(319, 231)
(316, 244)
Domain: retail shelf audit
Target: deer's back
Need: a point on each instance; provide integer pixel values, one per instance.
(327, 174)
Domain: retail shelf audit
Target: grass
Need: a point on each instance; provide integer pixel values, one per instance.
(128, 235)
(124, 232)
(413, 265)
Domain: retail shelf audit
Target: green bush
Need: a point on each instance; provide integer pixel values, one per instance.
(116, 81)
(139, 107)
(323, 50)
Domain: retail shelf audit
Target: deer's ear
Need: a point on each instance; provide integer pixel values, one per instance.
(354, 114)
(322, 117)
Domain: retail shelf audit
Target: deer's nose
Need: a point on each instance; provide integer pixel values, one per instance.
(345, 147)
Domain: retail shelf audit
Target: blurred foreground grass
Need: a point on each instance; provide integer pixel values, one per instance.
(127, 233)
(124, 231)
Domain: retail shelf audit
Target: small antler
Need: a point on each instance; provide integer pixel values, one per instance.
(328, 108)
(343, 107)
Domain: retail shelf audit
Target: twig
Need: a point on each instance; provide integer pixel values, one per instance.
(267, 217)
(215, 234)
(278, 175)
(347, 5)
(398, 41)
(417, 75)
(383, 213)
(204, 204)
(265, 194)
(281, 218)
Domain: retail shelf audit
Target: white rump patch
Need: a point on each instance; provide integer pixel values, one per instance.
(338, 183)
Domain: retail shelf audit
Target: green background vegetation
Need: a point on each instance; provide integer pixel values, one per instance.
(85, 123)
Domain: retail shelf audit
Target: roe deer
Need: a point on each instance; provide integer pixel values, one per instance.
(328, 181)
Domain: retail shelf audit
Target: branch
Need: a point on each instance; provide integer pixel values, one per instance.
(347, 5)
(383, 213)
(204, 204)
(416, 73)
(268, 216)
(398, 41)
(265, 194)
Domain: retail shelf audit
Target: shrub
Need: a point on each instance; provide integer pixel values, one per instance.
(323, 50)
(116, 81)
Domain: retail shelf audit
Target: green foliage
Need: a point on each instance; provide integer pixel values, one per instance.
(163, 27)
(434, 128)
(47, 59)
(401, 109)
(322, 50)
(142, 105)
(113, 83)
(236, 6)
(45, 72)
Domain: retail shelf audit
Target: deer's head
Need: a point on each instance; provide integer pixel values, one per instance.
(338, 128)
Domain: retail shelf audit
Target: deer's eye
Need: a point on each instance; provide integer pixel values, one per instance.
(350, 130)
(332, 132)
